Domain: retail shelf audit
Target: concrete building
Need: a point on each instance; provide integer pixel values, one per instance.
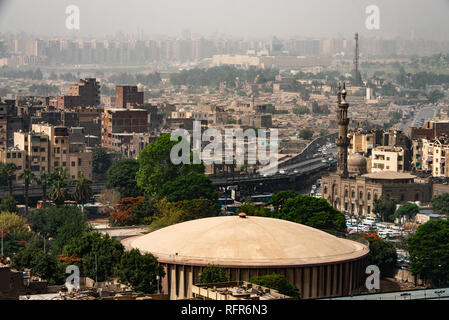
(352, 189)
(117, 120)
(16, 156)
(127, 96)
(46, 148)
(317, 263)
(388, 159)
(235, 290)
(88, 90)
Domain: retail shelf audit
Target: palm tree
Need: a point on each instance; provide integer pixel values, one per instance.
(9, 169)
(60, 174)
(83, 191)
(27, 176)
(58, 192)
(44, 180)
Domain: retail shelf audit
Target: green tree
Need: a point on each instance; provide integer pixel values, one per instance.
(28, 177)
(156, 167)
(382, 254)
(408, 210)
(9, 170)
(140, 271)
(313, 212)
(100, 254)
(122, 177)
(440, 203)
(385, 207)
(213, 274)
(435, 96)
(187, 187)
(47, 221)
(429, 252)
(306, 134)
(41, 264)
(252, 210)
(100, 162)
(13, 223)
(44, 180)
(277, 282)
(9, 204)
(278, 199)
(58, 192)
(301, 110)
(83, 190)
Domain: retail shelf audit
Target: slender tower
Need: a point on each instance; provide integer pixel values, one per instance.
(357, 77)
(342, 139)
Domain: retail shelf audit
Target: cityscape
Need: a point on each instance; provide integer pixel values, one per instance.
(199, 164)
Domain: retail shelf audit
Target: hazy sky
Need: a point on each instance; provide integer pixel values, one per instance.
(242, 18)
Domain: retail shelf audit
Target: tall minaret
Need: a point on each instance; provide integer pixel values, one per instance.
(342, 139)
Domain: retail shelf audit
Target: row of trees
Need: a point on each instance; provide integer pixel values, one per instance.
(57, 183)
(303, 209)
(60, 236)
(214, 76)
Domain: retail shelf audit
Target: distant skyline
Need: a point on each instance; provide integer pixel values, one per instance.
(237, 18)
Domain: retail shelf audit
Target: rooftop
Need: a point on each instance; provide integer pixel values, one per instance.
(253, 241)
(389, 175)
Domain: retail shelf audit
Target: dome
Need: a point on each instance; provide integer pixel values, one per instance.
(249, 241)
(357, 163)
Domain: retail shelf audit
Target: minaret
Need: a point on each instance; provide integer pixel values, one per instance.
(357, 77)
(342, 139)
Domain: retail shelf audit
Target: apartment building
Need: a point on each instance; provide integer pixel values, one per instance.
(119, 120)
(128, 96)
(88, 90)
(46, 148)
(386, 158)
(16, 156)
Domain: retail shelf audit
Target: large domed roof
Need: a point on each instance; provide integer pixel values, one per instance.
(357, 163)
(250, 241)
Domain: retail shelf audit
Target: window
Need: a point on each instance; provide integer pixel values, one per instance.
(352, 194)
(14, 155)
(8, 155)
(43, 159)
(361, 195)
(64, 164)
(73, 163)
(369, 196)
(416, 196)
(19, 155)
(56, 163)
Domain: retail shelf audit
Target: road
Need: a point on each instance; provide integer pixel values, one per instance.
(426, 113)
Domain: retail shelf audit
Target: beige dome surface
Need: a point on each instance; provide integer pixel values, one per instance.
(357, 160)
(250, 241)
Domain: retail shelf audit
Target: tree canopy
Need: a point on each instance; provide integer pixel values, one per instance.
(140, 271)
(100, 254)
(440, 203)
(385, 207)
(429, 251)
(213, 274)
(277, 282)
(122, 177)
(313, 212)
